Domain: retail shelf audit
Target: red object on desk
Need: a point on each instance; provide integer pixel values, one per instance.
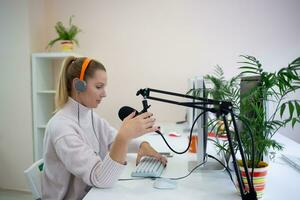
(173, 134)
(212, 134)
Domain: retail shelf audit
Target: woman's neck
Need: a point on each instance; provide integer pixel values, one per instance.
(76, 97)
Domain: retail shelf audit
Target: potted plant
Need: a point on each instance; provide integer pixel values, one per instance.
(264, 123)
(273, 88)
(66, 36)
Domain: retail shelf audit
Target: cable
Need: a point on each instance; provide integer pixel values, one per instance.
(182, 177)
(252, 148)
(208, 155)
(92, 116)
(252, 143)
(177, 178)
(134, 179)
(78, 118)
(227, 169)
(190, 139)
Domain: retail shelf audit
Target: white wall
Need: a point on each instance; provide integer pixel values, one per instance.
(22, 29)
(160, 44)
(15, 117)
(156, 44)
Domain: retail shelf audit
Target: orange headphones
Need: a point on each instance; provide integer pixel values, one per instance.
(80, 85)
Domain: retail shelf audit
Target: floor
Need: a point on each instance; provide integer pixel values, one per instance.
(14, 195)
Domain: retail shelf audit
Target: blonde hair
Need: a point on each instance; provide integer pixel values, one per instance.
(71, 69)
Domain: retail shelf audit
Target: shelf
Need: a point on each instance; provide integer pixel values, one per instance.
(46, 67)
(46, 92)
(54, 54)
(41, 126)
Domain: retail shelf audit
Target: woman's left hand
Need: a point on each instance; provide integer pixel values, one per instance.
(147, 150)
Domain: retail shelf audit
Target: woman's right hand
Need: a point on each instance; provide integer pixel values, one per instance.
(134, 127)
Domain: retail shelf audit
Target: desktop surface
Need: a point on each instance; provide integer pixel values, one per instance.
(196, 186)
(282, 180)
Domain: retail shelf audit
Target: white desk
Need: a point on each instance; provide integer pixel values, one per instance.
(283, 182)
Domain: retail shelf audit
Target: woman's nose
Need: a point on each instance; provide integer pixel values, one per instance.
(103, 94)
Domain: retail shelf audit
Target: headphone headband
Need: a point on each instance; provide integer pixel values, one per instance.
(86, 62)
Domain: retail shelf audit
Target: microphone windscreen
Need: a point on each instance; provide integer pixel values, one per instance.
(125, 111)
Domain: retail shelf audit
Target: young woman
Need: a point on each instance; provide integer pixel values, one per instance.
(81, 150)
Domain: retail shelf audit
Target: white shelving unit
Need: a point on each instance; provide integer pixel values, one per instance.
(45, 71)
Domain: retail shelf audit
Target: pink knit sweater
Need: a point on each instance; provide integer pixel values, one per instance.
(74, 159)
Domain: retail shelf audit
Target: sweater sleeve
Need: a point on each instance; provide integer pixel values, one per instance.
(83, 162)
(134, 144)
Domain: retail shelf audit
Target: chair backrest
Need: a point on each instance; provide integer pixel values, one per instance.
(34, 175)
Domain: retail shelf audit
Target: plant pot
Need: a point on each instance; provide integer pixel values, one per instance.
(66, 45)
(259, 179)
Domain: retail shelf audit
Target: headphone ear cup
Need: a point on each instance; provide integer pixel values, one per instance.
(80, 85)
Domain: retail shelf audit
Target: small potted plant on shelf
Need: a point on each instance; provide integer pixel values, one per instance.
(66, 36)
(257, 121)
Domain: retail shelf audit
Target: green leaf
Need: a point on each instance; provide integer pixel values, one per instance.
(248, 67)
(297, 108)
(219, 72)
(249, 72)
(296, 62)
(76, 41)
(294, 120)
(70, 20)
(253, 59)
(189, 92)
(41, 167)
(291, 109)
(282, 108)
(51, 43)
(249, 63)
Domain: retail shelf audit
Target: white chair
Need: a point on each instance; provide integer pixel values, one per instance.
(34, 175)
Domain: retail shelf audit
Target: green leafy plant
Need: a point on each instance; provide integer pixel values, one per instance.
(220, 89)
(273, 89)
(223, 89)
(227, 90)
(65, 33)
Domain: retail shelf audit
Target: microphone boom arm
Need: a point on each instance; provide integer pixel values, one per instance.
(222, 108)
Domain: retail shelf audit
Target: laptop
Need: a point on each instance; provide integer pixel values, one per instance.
(293, 161)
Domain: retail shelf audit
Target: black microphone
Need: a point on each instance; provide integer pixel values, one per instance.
(125, 111)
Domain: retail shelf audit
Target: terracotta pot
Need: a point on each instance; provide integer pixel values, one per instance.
(67, 45)
(259, 179)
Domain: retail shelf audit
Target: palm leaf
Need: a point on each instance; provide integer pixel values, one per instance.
(53, 41)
